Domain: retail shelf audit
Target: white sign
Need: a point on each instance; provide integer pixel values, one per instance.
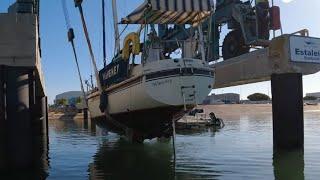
(305, 49)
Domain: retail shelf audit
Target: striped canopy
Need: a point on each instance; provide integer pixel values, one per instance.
(170, 12)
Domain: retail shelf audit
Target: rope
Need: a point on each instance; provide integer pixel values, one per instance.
(79, 74)
(107, 115)
(104, 33)
(66, 14)
(93, 61)
(71, 40)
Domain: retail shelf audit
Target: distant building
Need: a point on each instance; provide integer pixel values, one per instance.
(25, 6)
(70, 96)
(228, 98)
(317, 95)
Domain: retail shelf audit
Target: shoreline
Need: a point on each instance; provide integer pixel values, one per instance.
(222, 110)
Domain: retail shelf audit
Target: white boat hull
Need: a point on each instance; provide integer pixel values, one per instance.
(158, 90)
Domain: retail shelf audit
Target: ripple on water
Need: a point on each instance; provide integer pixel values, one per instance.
(242, 150)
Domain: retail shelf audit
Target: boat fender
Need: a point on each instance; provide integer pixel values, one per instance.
(135, 40)
(103, 101)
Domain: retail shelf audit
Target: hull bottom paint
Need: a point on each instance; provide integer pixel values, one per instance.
(149, 123)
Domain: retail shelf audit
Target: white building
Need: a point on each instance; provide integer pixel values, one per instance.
(228, 98)
(317, 94)
(70, 96)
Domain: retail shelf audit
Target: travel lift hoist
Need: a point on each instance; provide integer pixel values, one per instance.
(250, 26)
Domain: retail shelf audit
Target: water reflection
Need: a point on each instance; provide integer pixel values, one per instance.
(289, 165)
(241, 150)
(12, 168)
(123, 160)
(198, 131)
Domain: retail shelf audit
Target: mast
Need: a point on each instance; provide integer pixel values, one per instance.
(86, 33)
(115, 24)
(104, 33)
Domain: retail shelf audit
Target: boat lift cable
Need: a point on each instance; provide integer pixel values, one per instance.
(85, 29)
(71, 37)
(104, 33)
(66, 14)
(78, 3)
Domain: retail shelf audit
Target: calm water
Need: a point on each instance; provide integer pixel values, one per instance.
(242, 150)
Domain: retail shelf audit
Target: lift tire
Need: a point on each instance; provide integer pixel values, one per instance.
(234, 45)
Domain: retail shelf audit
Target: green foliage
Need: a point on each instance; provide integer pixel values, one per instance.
(258, 97)
(310, 98)
(62, 102)
(78, 100)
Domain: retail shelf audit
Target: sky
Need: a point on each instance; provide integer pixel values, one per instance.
(58, 61)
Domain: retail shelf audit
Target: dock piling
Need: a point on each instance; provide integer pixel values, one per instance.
(44, 114)
(287, 107)
(18, 122)
(23, 119)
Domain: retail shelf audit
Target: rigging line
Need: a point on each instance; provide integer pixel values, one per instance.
(71, 40)
(85, 29)
(104, 33)
(93, 61)
(81, 82)
(66, 14)
(123, 30)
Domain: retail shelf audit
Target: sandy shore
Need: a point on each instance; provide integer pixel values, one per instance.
(220, 110)
(242, 109)
(64, 116)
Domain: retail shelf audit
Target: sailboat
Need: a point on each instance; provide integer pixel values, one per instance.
(172, 77)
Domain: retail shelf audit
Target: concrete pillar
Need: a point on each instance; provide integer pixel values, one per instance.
(2, 119)
(289, 165)
(44, 116)
(34, 105)
(18, 125)
(22, 145)
(287, 107)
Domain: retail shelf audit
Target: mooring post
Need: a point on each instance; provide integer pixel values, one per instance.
(287, 107)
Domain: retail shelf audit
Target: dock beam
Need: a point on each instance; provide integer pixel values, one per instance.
(279, 62)
(287, 107)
